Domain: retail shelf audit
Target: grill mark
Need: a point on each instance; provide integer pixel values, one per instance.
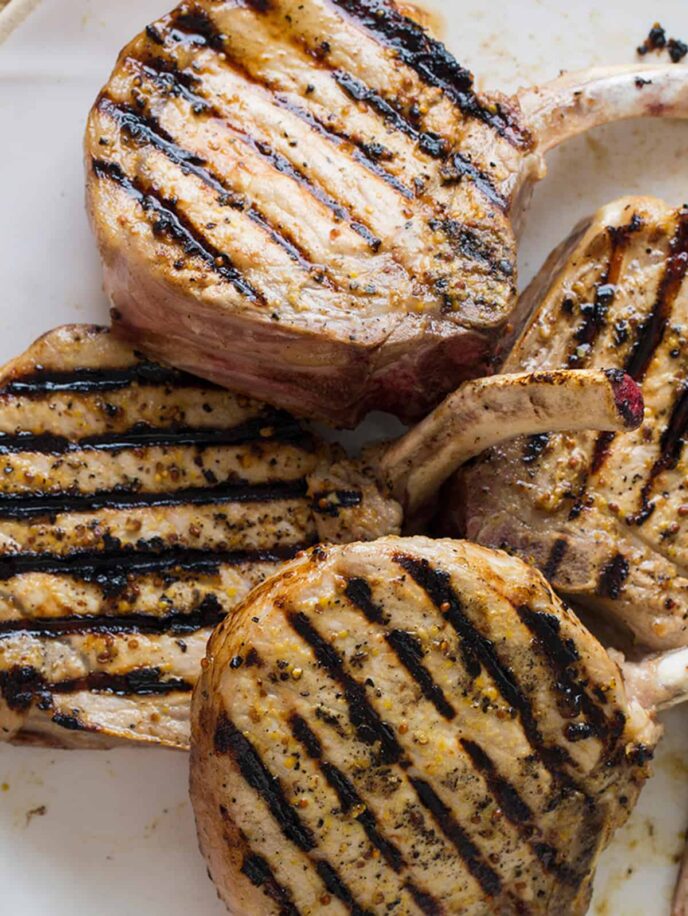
(431, 144)
(425, 902)
(534, 447)
(180, 623)
(349, 798)
(517, 811)
(112, 568)
(141, 435)
(460, 167)
(370, 728)
(21, 686)
(671, 445)
(229, 740)
(563, 659)
(89, 380)
(24, 506)
(478, 652)
(409, 651)
(555, 558)
(433, 63)
(613, 577)
(487, 877)
(146, 129)
(258, 871)
(338, 888)
(406, 646)
(472, 245)
(508, 799)
(331, 502)
(595, 313)
(339, 138)
(170, 78)
(170, 222)
(651, 332)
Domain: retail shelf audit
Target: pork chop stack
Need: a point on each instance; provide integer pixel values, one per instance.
(410, 726)
(309, 202)
(139, 504)
(604, 516)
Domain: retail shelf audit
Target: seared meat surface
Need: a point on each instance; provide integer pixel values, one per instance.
(604, 516)
(410, 726)
(309, 202)
(137, 506)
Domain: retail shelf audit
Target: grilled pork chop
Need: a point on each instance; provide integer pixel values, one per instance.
(602, 515)
(410, 726)
(308, 201)
(139, 504)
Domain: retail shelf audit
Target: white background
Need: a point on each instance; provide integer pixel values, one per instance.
(117, 835)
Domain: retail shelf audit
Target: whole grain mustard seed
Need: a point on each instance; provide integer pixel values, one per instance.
(297, 673)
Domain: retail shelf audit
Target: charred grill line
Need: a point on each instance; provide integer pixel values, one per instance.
(508, 799)
(671, 447)
(141, 435)
(487, 877)
(370, 728)
(140, 682)
(409, 651)
(425, 902)
(23, 685)
(432, 62)
(535, 446)
(20, 506)
(518, 812)
(145, 129)
(349, 799)
(595, 312)
(229, 740)
(563, 658)
(613, 577)
(461, 167)
(179, 623)
(170, 79)
(258, 871)
(86, 381)
(478, 652)
(112, 567)
(652, 330)
(429, 143)
(339, 138)
(338, 888)
(406, 646)
(555, 559)
(170, 222)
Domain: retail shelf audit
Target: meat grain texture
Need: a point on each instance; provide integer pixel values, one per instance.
(410, 726)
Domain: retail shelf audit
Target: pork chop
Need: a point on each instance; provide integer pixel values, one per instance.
(410, 726)
(308, 201)
(604, 516)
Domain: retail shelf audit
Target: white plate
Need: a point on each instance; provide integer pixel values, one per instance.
(116, 836)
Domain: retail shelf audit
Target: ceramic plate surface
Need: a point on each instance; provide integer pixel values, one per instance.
(111, 833)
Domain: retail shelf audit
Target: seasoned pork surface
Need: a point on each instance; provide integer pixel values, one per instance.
(410, 726)
(604, 516)
(308, 200)
(317, 186)
(137, 506)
